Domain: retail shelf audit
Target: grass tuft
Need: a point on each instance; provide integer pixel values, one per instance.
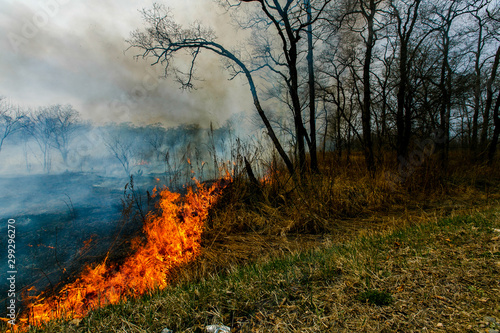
(375, 297)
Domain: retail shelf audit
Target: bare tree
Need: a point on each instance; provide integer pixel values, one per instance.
(445, 16)
(12, 119)
(478, 65)
(364, 18)
(489, 100)
(121, 143)
(53, 127)
(495, 20)
(289, 21)
(368, 11)
(164, 38)
(41, 127)
(312, 91)
(496, 131)
(156, 137)
(406, 15)
(65, 121)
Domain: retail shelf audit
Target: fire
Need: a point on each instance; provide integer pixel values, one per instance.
(173, 236)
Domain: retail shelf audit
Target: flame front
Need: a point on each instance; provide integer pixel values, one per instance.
(173, 236)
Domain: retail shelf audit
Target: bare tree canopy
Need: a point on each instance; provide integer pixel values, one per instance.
(378, 73)
(53, 127)
(163, 40)
(12, 119)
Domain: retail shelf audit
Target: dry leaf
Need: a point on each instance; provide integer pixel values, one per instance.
(75, 321)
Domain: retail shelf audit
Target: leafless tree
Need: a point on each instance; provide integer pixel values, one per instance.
(156, 137)
(489, 97)
(444, 18)
(65, 121)
(53, 127)
(494, 16)
(288, 22)
(365, 18)
(41, 129)
(164, 38)
(121, 143)
(12, 119)
(406, 17)
(479, 63)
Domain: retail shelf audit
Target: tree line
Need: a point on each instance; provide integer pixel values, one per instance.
(50, 127)
(122, 149)
(329, 75)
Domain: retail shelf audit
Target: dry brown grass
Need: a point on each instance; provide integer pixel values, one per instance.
(294, 258)
(340, 204)
(443, 276)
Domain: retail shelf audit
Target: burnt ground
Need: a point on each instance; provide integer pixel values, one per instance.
(63, 222)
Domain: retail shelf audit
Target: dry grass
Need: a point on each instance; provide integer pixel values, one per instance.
(295, 258)
(442, 276)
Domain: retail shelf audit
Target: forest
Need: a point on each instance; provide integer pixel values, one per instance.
(381, 77)
(376, 75)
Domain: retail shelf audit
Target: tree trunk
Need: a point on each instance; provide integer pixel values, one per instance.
(489, 101)
(312, 92)
(290, 51)
(496, 132)
(477, 93)
(366, 112)
(262, 114)
(404, 112)
(445, 102)
(402, 144)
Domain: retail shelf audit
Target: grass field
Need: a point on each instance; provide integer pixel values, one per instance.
(440, 275)
(343, 252)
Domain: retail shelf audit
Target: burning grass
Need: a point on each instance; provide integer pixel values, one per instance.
(171, 237)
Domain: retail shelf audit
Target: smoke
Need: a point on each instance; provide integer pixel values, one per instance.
(69, 51)
(73, 52)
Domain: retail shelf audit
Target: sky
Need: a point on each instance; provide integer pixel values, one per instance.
(74, 52)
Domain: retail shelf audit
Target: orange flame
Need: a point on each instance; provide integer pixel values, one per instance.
(173, 238)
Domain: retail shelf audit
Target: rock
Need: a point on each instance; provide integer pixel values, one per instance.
(440, 325)
(218, 329)
(166, 330)
(489, 319)
(491, 330)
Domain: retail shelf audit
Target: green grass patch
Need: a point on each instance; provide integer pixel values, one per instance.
(375, 297)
